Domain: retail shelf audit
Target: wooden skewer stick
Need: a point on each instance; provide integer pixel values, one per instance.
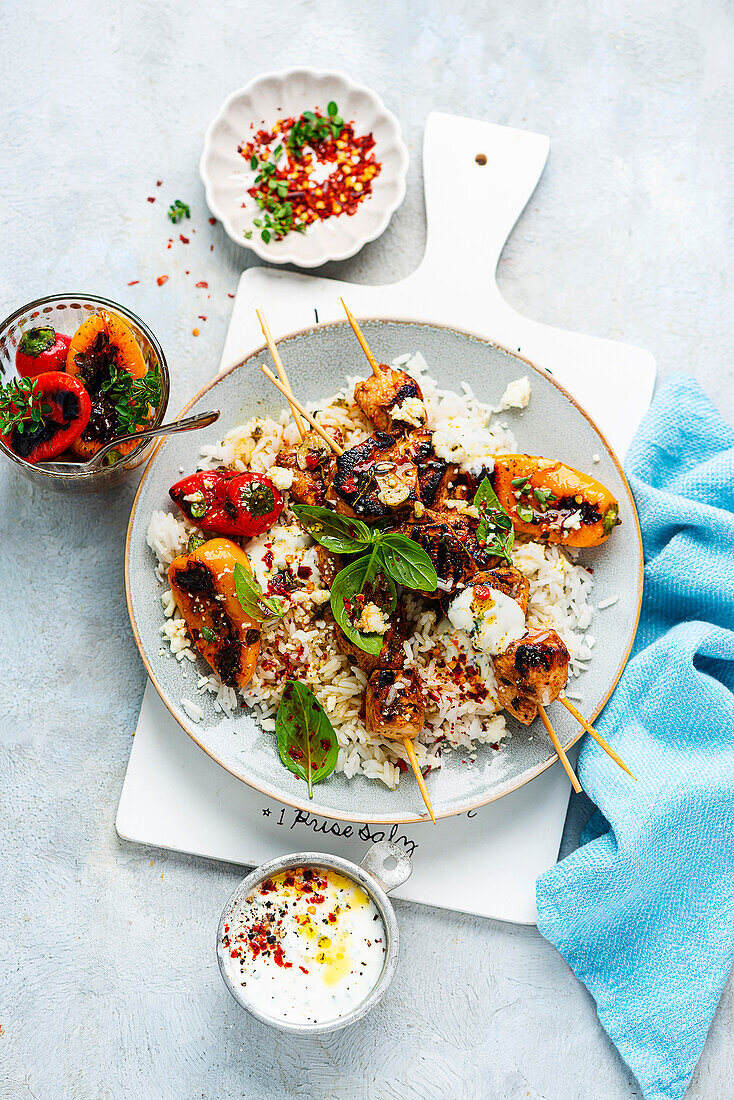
(597, 736)
(559, 749)
(410, 749)
(365, 346)
(280, 369)
(288, 394)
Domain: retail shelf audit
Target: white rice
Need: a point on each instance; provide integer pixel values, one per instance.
(462, 711)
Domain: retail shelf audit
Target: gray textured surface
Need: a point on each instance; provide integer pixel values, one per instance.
(110, 986)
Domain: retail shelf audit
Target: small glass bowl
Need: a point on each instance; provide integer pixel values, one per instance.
(65, 312)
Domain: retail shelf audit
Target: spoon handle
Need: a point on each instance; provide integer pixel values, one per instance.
(199, 420)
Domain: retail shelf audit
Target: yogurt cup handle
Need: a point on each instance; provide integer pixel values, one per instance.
(385, 851)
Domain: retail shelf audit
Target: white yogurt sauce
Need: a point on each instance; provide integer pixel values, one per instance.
(491, 623)
(306, 946)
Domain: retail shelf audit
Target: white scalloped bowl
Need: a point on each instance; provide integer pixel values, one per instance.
(227, 175)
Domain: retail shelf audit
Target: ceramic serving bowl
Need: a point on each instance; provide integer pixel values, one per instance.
(262, 102)
(65, 312)
(385, 867)
(317, 361)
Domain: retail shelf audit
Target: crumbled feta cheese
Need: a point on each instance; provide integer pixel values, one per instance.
(468, 444)
(195, 498)
(595, 458)
(372, 620)
(516, 396)
(572, 522)
(410, 411)
(281, 478)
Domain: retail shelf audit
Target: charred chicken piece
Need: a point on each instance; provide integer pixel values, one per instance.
(450, 540)
(536, 666)
(329, 564)
(312, 463)
(395, 704)
(392, 400)
(505, 578)
(392, 654)
(434, 475)
(373, 479)
(517, 705)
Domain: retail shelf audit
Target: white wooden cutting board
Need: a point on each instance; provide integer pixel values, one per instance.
(174, 795)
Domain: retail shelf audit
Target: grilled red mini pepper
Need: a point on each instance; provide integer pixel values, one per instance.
(225, 503)
(40, 417)
(41, 349)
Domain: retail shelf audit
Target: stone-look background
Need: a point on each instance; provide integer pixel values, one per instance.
(109, 981)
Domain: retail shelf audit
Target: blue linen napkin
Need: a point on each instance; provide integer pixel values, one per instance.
(643, 912)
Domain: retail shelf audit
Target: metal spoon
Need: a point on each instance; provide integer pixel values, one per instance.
(96, 462)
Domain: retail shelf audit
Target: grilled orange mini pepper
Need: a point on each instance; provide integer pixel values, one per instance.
(203, 587)
(552, 502)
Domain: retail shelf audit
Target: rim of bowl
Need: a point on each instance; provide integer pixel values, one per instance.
(76, 474)
(371, 886)
(333, 254)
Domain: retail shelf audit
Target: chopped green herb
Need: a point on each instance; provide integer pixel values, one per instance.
(178, 210)
(207, 634)
(525, 512)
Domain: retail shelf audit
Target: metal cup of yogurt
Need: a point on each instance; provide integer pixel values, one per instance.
(345, 930)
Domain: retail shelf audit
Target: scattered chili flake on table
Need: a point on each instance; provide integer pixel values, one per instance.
(133, 282)
(151, 198)
(162, 279)
(203, 284)
(308, 169)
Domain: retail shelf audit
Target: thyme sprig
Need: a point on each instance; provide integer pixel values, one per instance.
(178, 210)
(22, 406)
(132, 397)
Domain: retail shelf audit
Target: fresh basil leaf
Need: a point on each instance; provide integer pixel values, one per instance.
(307, 742)
(341, 534)
(495, 526)
(408, 563)
(347, 585)
(252, 600)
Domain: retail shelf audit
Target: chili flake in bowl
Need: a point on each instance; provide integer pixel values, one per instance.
(304, 167)
(308, 169)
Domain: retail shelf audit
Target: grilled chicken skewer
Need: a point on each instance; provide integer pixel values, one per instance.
(405, 737)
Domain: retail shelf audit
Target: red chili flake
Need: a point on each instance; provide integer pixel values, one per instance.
(203, 284)
(303, 968)
(304, 572)
(267, 887)
(184, 240)
(278, 956)
(289, 880)
(211, 247)
(317, 899)
(332, 918)
(351, 163)
(482, 592)
(162, 279)
(159, 183)
(235, 953)
(230, 295)
(151, 198)
(202, 316)
(401, 766)
(133, 282)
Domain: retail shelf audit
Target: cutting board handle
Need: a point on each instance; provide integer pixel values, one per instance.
(472, 203)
